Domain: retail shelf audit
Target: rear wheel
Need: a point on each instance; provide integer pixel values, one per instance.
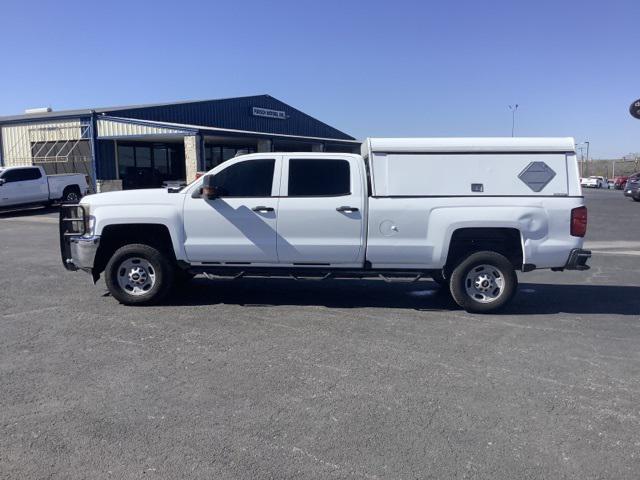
(138, 274)
(71, 195)
(483, 282)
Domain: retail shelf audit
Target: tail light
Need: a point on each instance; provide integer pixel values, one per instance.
(579, 221)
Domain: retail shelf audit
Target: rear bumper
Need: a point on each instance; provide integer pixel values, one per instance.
(578, 259)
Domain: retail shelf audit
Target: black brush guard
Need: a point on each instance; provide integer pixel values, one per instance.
(72, 224)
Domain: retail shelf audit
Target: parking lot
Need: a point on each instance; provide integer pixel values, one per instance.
(283, 379)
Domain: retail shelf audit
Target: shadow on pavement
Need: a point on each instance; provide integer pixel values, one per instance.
(27, 212)
(532, 298)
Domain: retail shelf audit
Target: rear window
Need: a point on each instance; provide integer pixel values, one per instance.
(319, 178)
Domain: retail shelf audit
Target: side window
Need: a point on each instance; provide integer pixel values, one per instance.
(319, 177)
(20, 175)
(252, 178)
(33, 174)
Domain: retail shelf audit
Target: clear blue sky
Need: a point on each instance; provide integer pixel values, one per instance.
(370, 68)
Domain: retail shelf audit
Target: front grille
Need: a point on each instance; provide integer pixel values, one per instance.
(72, 220)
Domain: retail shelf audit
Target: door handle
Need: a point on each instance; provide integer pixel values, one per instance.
(262, 209)
(347, 209)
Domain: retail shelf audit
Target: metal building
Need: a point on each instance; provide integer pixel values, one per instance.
(154, 145)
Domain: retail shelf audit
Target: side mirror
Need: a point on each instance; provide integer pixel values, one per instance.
(208, 189)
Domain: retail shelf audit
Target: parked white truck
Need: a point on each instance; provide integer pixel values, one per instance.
(28, 185)
(468, 212)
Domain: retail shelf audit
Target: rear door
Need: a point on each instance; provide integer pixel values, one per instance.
(321, 211)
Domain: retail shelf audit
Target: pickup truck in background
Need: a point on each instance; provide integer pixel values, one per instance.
(594, 182)
(511, 204)
(21, 186)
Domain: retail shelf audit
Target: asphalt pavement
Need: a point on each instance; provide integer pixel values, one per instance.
(347, 379)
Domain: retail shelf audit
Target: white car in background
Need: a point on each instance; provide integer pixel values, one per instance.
(594, 182)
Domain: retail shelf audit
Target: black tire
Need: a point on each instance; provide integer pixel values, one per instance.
(71, 195)
(475, 304)
(636, 199)
(153, 262)
(439, 278)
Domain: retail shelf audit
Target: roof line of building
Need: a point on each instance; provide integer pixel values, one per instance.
(218, 129)
(88, 111)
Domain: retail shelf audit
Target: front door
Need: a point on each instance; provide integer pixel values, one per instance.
(321, 211)
(239, 227)
(23, 185)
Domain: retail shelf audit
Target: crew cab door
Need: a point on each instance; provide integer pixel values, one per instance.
(23, 185)
(321, 211)
(239, 227)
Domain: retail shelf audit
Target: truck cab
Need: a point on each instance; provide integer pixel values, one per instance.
(335, 215)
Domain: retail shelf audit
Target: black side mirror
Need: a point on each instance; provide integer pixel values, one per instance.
(208, 189)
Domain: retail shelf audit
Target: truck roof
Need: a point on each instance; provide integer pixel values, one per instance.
(470, 144)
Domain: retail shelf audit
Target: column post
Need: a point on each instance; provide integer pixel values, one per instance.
(192, 156)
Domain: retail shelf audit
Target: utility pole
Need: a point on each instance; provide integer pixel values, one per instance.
(587, 156)
(580, 148)
(513, 109)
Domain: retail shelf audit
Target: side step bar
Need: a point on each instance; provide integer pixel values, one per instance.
(230, 273)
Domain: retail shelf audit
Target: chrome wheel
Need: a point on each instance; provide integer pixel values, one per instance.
(136, 276)
(72, 197)
(484, 283)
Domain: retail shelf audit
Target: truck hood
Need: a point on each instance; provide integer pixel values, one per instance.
(152, 196)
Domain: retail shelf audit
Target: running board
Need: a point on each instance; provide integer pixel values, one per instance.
(230, 273)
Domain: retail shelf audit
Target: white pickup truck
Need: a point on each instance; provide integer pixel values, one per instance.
(467, 212)
(21, 186)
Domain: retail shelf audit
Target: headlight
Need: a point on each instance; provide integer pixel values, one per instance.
(89, 220)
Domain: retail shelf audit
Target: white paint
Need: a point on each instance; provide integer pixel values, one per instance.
(310, 230)
(40, 190)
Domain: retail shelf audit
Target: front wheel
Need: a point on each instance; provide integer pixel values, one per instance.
(138, 274)
(483, 282)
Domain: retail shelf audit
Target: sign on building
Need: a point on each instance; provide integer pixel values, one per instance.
(267, 112)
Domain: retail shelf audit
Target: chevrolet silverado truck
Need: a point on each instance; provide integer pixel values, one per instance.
(21, 186)
(507, 205)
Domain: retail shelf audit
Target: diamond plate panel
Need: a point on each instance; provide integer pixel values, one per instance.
(537, 175)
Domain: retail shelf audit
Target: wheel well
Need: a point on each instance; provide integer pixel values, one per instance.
(465, 241)
(115, 236)
(71, 187)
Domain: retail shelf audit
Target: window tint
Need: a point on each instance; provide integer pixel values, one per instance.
(310, 178)
(22, 174)
(252, 178)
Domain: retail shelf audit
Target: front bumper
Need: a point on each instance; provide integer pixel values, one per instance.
(82, 252)
(578, 259)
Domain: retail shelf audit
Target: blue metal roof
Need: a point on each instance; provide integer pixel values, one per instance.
(236, 114)
(229, 113)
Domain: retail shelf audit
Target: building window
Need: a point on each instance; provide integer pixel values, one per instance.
(150, 165)
(214, 155)
(321, 177)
